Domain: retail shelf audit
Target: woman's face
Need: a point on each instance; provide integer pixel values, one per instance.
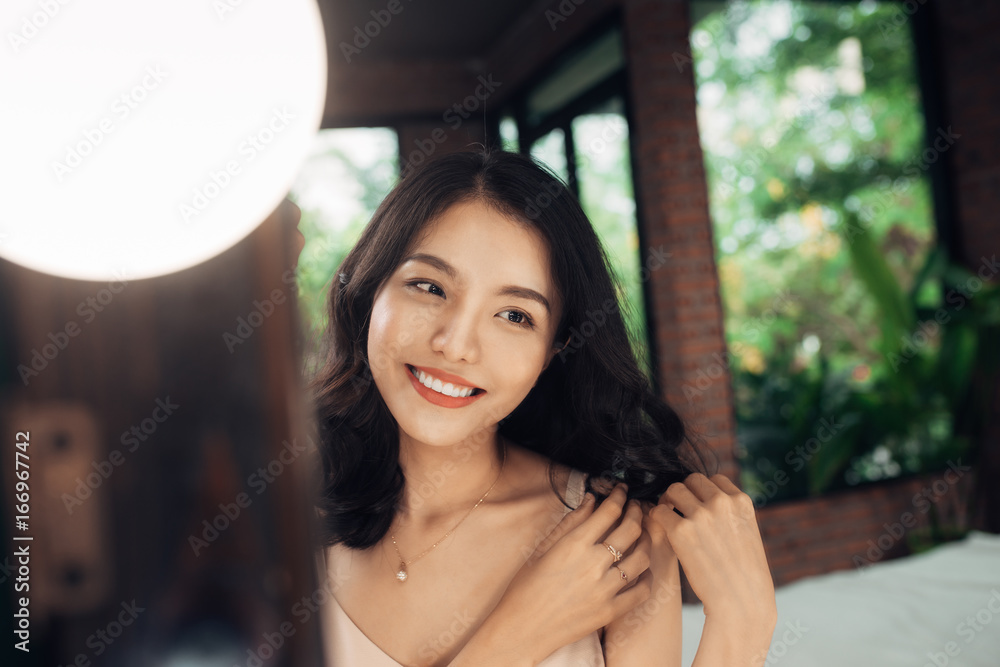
(471, 310)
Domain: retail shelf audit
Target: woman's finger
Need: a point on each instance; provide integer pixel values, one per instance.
(651, 526)
(604, 516)
(725, 484)
(681, 497)
(703, 488)
(665, 515)
(631, 597)
(629, 569)
(644, 546)
(572, 520)
(627, 531)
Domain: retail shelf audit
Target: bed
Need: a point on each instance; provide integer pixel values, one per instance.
(934, 609)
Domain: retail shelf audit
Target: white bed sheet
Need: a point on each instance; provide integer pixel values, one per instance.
(938, 609)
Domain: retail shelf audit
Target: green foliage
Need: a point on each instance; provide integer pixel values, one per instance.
(813, 138)
(920, 408)
(359, 166)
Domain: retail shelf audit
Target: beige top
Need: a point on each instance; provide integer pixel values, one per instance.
(347, 646)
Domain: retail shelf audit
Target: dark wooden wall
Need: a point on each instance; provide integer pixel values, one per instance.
(116, 514)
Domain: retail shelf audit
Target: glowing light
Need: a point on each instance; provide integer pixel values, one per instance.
(140, 138)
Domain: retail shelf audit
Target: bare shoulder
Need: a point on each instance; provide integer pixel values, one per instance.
(537, 478)
(344, 566)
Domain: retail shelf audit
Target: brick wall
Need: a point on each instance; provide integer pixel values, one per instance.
(859, 527)
(672, 200)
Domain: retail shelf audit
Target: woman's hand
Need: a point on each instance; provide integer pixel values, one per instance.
(650, 633)
(718, 544)
(569, 587)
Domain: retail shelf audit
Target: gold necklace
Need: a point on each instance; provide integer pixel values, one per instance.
(401, 572)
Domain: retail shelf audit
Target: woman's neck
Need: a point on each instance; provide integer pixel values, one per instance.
(442, 480)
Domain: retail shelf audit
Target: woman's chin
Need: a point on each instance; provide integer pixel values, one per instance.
(433, 435)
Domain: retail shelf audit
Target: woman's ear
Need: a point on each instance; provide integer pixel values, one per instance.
(556, 349)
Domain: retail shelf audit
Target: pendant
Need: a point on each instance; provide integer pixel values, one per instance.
(401, 572)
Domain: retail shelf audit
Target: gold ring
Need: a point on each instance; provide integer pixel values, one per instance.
(624, 576)
(614, 552)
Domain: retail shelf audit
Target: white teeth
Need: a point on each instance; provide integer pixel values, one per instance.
(448, 389)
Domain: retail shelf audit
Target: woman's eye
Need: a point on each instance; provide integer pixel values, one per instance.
(517, 317)
(428, 287)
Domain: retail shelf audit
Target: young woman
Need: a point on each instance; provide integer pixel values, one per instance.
(480, 380)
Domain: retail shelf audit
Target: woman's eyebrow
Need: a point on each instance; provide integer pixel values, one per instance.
(434, 261)
(506, 290)
(524, 293)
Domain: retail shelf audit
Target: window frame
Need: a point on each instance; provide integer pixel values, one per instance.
(617, 84)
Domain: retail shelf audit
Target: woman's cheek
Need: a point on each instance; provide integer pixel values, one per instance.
(381, 346)
(522, 369)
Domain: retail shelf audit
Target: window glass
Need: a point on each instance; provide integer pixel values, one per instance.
(550, 149)
(813, 136)
(508, 134)
(604, 177)
(338, 189)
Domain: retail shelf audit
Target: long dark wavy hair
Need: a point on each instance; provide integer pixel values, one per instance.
(591, 409)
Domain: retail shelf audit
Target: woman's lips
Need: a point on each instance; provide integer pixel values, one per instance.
(444, 376)
(438, 398)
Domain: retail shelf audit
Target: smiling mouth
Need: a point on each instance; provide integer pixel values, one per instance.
(443, 388)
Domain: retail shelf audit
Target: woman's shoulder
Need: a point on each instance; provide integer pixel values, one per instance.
(564, 485)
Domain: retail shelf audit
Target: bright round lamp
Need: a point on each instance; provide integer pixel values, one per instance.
(141, 137)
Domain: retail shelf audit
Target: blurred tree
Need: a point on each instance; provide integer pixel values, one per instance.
(338, 190)
(813, 134)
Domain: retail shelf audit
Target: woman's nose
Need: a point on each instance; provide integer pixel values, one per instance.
(457, 336)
